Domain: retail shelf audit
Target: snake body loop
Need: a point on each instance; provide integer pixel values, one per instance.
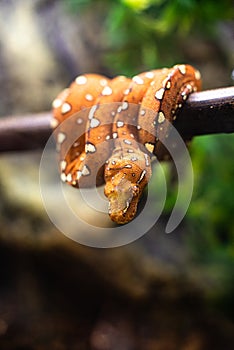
(115, 145)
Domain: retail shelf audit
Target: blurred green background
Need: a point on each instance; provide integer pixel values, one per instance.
(151, 34)
(163, 291)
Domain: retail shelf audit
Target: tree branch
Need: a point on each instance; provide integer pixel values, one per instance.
(206, 112)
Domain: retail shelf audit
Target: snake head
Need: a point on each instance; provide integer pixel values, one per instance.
(125, 181)
(123, 199)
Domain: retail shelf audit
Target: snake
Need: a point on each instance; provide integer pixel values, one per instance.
(116, 142)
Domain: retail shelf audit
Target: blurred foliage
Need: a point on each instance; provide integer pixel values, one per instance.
(210, 216)
(145, 34)
(210, 220)
(211, 210)
(212, 207)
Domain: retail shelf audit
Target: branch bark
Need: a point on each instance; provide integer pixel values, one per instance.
(25, 132)
(206, 112)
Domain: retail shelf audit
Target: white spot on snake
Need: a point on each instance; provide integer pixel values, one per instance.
(147, 162)
(132, 136)
(81, 80)
(63, 165)
(128, 142)
(128, 166)
(115, 135)
(66, 107)
(78, 174)
(119, 109)
(92, 111)
(85, 171)
(149, 147)
(141, 176)
(166, 83)
(182, 69)
(159, 94)
(142, 112)
(76, 144)
(90, 148)
(149, 75)
(108, 137)
(69, 177)
(54, 123)
(89, 97)
(138, 80)
(124, 106)
(130, 150)
(126, 208)
(134, 159)
(161, 117)
(127, 91)
(107, 91)
(138, 127)
(57, 103)
(61, 137)
(120, 123)
(94, 123)
(197, 75)
(63, 177)
(79, 121)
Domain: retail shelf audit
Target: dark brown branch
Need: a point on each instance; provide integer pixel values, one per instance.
(205, 112)
(29, 132)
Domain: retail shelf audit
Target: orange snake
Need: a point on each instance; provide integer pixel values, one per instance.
(124, 163)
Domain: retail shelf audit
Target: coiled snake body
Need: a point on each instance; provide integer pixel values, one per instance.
(115, 145)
